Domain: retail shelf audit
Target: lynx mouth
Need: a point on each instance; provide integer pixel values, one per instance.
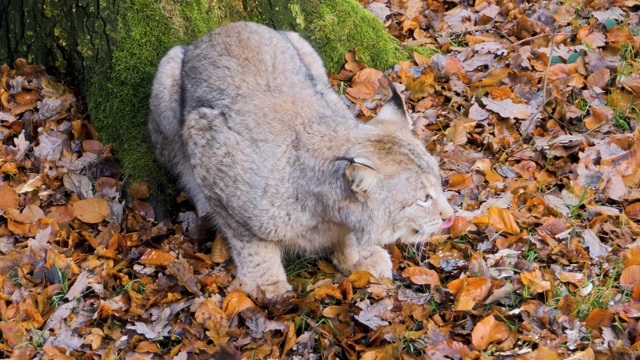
(448, 223)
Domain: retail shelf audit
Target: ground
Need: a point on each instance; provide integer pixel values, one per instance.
(533, 112)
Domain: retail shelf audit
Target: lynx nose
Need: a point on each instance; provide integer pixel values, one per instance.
(447, 223)
(447, 217)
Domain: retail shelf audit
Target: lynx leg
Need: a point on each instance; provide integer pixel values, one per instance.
(258, 262)
(350, 256)
(259, 268)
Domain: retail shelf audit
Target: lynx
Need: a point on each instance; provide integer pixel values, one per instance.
(246, 118)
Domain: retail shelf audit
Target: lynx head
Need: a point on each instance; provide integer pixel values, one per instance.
(395, 177)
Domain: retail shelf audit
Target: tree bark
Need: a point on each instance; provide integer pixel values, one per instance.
(110, 49)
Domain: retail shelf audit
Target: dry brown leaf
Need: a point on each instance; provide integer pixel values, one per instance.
(507, 109)
(576, 279)
(534, 281)
(421, 276)
(488, 331)
(568, 304)
(91, 211)
(360, 279)
(9, 198)
(633, 211)
(630, 277)
(473, 290)
(219, 250)
(632, 256)
(140, 190)
(458, 132)
(484, 165)
(458, 181)
(420, 59)
(500, 219)
(236, 301)
(599, 115)
(327, 290)
(156, 257)
(599, 318)
(364, 84)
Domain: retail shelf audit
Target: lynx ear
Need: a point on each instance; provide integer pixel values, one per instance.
(393, 115)
(361, 175)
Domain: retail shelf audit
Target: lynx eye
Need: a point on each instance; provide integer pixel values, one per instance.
(425, 202)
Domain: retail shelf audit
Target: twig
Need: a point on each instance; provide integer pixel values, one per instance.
(544, 85)
(533, 38)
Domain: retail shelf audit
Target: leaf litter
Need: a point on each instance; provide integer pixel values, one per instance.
(533, 112)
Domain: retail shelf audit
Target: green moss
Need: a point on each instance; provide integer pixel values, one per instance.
(337, 26)
(427, 51)
(147, 29)
(333, 27)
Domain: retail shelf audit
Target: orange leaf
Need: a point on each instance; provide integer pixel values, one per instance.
(633, 211)
(484, 165)
(599, 318)
(156, 257)
(235, 302)
(632, 256)
(360, 279)
(219, 250)
(567, 304)
(365, 84)
(599, 115)
(459, 181)
(500, 219)
(421, 276)
(327, 290)
(140, 190)
(488, 331)
(535, 281)
(92, 210)
(473, 290)
(460, 227)
(576, 279)
(630, 277)
(9, 198)
(208, 310)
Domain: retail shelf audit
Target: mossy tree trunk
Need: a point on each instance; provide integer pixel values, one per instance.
(110, 48)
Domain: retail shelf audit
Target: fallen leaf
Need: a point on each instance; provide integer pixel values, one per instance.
(235, 302)
(360, 279)
(91, 211)
(488, 331)
(630, 277)
(421, 276)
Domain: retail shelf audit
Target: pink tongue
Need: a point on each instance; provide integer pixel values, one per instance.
(447, 223)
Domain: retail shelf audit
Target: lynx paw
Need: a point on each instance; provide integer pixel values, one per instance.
(262, 293)
(376, 261)
(373, 259)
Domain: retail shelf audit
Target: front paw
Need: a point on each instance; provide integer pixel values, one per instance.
(376, 261)
(262, 294)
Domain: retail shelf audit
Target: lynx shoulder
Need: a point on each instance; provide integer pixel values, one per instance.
(246, 118)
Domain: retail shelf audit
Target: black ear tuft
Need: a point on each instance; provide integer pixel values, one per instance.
(396, 99)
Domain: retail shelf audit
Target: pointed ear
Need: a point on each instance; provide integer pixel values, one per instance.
(362, 176)
(393, 115)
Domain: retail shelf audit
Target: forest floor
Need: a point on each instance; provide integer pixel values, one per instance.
(533, 112)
